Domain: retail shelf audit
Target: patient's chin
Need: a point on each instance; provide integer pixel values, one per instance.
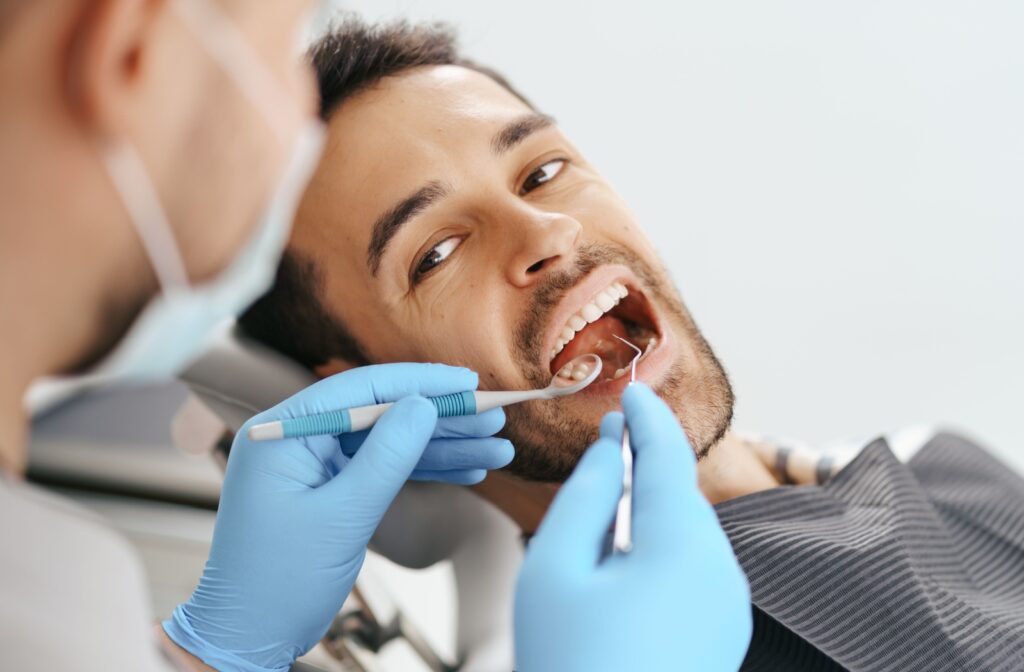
(550, 438)
(546, 451)
(703, 404)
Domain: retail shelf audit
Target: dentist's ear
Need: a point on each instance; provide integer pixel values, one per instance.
(110, 43)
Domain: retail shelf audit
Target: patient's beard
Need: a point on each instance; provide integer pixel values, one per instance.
(549, 437)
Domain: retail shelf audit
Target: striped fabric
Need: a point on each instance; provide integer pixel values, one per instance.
(888, 566)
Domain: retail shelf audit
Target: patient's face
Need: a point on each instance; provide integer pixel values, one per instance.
(453, 224)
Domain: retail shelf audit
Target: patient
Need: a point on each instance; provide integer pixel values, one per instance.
(451, 220)
(474, 233)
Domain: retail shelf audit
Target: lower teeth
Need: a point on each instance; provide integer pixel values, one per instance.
(577, 372)
(582, 370)
(651, 343)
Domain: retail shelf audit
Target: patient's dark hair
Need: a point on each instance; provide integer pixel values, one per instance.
(351, 57)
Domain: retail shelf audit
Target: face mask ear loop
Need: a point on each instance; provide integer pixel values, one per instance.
(232, 51)
(131, 180)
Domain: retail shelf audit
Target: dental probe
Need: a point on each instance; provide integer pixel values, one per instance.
(582, 371)
(622, 537)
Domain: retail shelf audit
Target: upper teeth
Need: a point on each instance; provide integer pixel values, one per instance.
(602, 302)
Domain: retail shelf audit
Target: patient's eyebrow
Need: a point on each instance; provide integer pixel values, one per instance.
(518, 130)
(387, 225)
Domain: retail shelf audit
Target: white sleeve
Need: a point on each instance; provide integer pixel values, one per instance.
(73, 593)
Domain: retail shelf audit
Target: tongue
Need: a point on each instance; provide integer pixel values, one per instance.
(598, 338)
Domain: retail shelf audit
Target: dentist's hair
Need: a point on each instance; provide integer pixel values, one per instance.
(351, 57)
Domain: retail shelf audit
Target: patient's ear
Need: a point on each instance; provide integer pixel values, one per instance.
(333, 366)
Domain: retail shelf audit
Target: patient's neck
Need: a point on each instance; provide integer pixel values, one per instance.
(525, 502)
(730, 470)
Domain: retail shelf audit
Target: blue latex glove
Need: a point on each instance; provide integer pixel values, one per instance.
(296, 515)
(677, 601)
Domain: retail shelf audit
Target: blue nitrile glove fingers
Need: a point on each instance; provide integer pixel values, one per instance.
(611, 426)
(375, 384)
(365, 386)
(374, 476)
(469, 426)
(664, 470)
(571, 536)
(457, 453)
(678, 601)
(452, 476)
(455, 427)
(294, 519)
(445, 454)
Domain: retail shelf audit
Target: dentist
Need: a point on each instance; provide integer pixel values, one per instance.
(153, 154)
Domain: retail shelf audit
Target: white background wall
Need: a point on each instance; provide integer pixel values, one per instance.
(837, 187)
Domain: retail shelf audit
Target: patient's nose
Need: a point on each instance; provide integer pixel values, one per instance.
(541, 245)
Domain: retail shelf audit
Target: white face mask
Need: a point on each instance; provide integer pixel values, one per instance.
(177, 324)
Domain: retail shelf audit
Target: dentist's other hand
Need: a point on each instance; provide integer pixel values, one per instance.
(296, 515)
(677, 601)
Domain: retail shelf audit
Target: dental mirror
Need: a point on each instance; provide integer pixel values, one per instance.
(573, 376)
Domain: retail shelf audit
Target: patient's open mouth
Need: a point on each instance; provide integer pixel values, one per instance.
(619, 309)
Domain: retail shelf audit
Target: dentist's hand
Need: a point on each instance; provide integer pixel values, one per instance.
(296, 514)
(677, 601)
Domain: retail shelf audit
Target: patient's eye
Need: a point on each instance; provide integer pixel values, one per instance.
(436, 256)
(543, 174)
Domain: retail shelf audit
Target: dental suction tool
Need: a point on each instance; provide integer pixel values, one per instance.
(622, 537)
(582, 371)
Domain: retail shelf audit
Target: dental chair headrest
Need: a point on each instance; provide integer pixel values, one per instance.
(238, 377)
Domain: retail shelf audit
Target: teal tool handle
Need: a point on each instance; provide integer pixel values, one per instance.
(363, 417)
(331, 422)
(457, 403)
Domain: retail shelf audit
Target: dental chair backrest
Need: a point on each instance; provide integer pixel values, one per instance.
(428, 522)
(237, 378)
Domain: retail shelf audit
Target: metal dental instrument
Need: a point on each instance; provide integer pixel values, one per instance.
(622, 538)
(343, 421)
